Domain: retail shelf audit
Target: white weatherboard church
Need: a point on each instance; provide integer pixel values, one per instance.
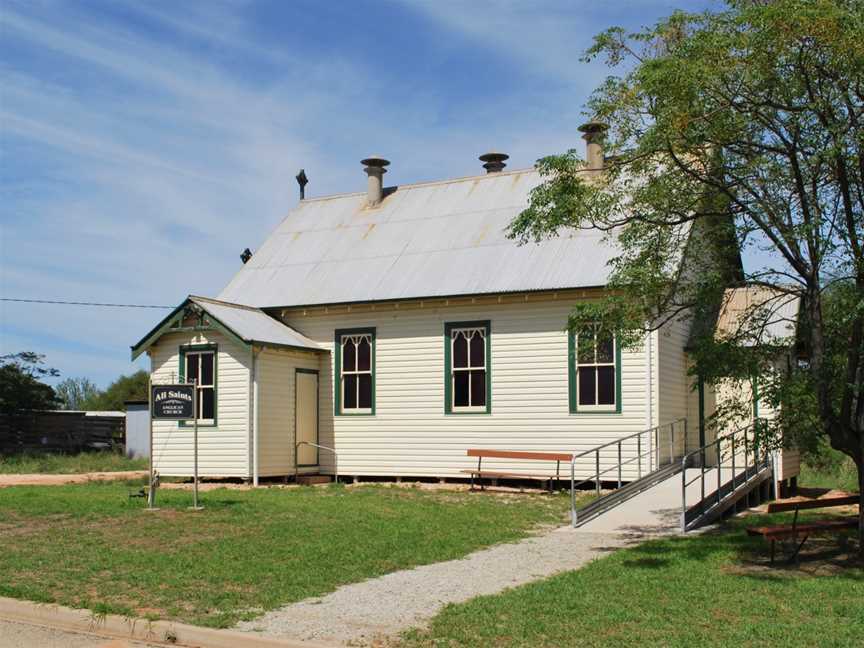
(399, 326)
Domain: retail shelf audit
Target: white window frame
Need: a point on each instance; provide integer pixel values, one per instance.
(454, 333)
(604, 407)
(199, 388)
(355, 339)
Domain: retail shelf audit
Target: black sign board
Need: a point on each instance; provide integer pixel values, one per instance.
(173, 402)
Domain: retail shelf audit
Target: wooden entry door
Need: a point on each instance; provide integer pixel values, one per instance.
(306, 415)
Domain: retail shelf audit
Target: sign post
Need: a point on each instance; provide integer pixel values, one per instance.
(151, 492)
(195, 443)
(177, 402)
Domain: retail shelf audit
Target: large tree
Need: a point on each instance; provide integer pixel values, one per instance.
(745, 126)
(125, 388)
(73, 393)
(21, 387)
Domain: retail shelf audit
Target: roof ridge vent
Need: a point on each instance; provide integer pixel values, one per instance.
(494, 161)
(594, 134)
(375, 169)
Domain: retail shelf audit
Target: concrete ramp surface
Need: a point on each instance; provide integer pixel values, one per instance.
(658, 509)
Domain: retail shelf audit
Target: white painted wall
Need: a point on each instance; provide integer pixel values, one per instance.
(137, 430)
(276, 375)
(223, 449)
(674, 387)
(411, 436)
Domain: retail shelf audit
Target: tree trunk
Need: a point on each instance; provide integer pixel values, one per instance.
(860, 466)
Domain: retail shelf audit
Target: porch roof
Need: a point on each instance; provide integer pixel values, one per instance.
(246, 324)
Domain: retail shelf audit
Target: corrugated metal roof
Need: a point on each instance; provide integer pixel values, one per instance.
(425, 240)
(253, 325)
(753, 315)
(247, 324)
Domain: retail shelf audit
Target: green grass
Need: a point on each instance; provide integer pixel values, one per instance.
(69, 464)
(841, 474)
(714, 589)
(247, 552)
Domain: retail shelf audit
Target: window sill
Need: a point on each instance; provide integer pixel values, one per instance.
(201, 424)
(464, 412)
(592, 412)
(360, 413)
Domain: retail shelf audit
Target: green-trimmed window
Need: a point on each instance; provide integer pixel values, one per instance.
(595, 372)
(199, 364)
(355, 371)
(468, 368)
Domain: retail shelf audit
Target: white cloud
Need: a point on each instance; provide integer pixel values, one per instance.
(154, 165)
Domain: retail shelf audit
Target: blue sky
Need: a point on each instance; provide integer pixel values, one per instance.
(143, 145)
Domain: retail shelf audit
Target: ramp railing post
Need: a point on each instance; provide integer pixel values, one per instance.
(639, 453)
(718, 470)
(573, 490)
(733, 463)
(597, 467)
(685, 437)
(619, 464)
(684, 494)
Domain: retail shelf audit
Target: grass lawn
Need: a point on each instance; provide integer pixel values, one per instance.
(844, 476)
(91, 546)
(715, 589)
(69, 464)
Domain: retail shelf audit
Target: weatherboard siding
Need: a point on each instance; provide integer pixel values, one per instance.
(276, 389)
(673, 386)
(223, 449)
(410, 435)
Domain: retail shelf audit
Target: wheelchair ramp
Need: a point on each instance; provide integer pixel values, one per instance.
(729, 473)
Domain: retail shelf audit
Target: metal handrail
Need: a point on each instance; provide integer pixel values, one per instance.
(322, 447)
(729, 439)
(653, 454)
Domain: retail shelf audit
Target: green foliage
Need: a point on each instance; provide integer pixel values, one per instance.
(73, 392)
(125, 388)
(741, 129)
(21, 389)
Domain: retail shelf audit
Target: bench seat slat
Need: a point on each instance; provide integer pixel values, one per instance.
(825, 502)
(515, 454)
(817, 526)
(492, 473)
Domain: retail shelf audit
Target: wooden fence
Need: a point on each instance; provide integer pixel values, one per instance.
(61, 432)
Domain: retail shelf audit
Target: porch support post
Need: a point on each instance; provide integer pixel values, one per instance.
(255, 421)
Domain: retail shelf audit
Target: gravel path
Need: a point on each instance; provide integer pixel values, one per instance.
(365, 612)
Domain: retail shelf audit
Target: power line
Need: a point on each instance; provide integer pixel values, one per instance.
(77, 303)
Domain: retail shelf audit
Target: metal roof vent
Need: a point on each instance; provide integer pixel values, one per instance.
(302, 180)
(245, 256)
(375, 170)
(494, 161)
(595, 133)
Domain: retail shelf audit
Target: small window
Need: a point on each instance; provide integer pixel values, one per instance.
(200, 366)
(467, 356)
(594, 372)
(355, 378)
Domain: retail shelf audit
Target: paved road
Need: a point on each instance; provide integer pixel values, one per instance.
(24, 635)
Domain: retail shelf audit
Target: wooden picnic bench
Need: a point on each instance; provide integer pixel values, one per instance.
(481, 454)
(793, 531)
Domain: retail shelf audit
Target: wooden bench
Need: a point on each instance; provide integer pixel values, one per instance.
(481, 454)
(794, 530)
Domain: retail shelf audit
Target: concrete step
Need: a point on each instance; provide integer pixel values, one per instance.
(309, 480)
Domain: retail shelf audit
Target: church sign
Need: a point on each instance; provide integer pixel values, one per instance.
(173, 402)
